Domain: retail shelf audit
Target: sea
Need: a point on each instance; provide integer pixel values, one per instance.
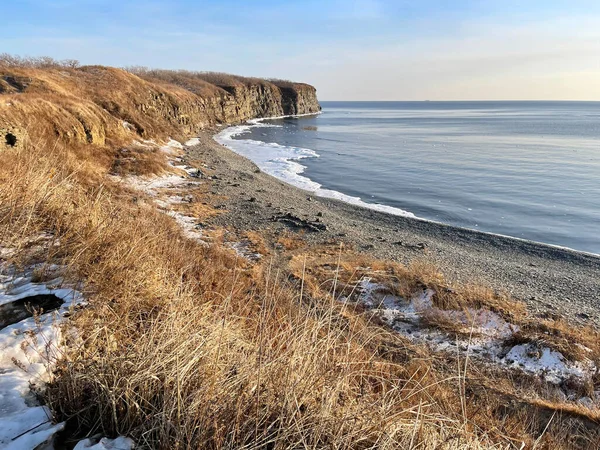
(529, 170)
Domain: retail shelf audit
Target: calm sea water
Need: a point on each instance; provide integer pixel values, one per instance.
(524, 169)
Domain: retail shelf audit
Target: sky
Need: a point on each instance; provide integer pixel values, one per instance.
(349, 50)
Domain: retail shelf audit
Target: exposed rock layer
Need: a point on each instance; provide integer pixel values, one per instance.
(100, 105)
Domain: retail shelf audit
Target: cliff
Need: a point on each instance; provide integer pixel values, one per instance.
(104, 105)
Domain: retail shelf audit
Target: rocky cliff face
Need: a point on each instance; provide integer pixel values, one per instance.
(301, 99)
(100, 105)
(262, 100)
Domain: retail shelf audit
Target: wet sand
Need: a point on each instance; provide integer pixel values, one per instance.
(551, 280)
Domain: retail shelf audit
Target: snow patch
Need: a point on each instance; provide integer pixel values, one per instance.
(128, 126)
(192, 142)
(146, 143)
(550, 364)
(120, 443)
(172, 148)
(26, 440)
(151, 186)
(189, 224)
(242, 249)
(477, 322)
(22, 287)
(483, 333)
(28, 349)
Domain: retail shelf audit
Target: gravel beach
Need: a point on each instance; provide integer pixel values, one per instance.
(552, 281)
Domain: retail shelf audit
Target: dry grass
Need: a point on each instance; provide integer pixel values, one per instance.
(139, 160)
(332, 270)
(478, 296)
(291, 241)
(199, 208)
(41, 62)
(328, 266)
(190, 81)
(194, 80)
(576, 343)
(258, 244)
(178, 348)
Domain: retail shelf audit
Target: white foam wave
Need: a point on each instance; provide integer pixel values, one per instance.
(281, 162)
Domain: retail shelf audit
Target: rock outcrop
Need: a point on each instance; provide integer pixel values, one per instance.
(102, 105)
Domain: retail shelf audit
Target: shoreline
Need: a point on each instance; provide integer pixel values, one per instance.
(295, 170)
(314, 188)
(551, 280)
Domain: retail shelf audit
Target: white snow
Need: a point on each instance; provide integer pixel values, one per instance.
(128, 126)
(31, 439)
(28, 350)
(157, 185)
(192, 142)
(151, 186)
(189, 225)
(120, 443)
(486, 331)
(21, 287)
(550, 364)
(477, 322)
(172, 148)
(242, 249)
(419, 304)
(369, 291)
(147, 143)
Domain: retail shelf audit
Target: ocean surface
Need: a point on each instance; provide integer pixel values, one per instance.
(525, 169)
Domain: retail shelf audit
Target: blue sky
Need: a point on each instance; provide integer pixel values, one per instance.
(350, 50)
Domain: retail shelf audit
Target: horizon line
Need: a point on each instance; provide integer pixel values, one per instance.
(457, 101)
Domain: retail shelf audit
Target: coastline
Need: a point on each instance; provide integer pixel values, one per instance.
(551, 280)
(222, 136)
(288, 169)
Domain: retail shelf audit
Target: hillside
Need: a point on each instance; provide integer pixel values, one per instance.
(102, 105)
(135, 309)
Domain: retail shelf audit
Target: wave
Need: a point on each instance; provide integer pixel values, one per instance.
(281, 161)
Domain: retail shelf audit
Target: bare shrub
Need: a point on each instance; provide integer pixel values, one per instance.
(38, 62)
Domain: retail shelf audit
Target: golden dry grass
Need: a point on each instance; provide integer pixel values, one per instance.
(178, 348)
(333, 272)
(258, 243)
(291, 241)
(139, 160)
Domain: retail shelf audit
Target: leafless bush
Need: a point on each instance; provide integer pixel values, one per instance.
(38, 62)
